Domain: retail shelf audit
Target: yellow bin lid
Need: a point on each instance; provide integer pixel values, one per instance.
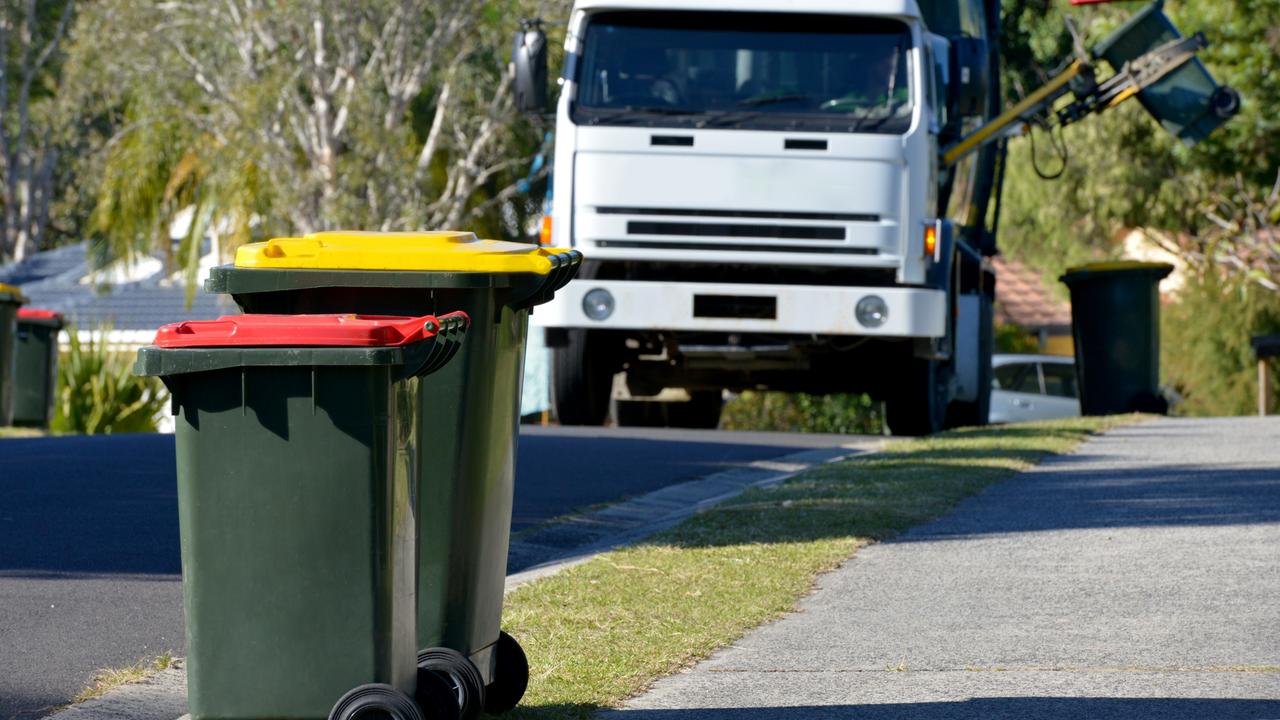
(13, 293)
(444, 251)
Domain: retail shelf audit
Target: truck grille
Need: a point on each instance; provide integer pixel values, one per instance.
(736, 247)
(753, 214)
(688, 229)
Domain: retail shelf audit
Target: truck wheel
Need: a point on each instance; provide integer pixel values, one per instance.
(919, 405)
(701, 411)
(581, 380)
(975, 413)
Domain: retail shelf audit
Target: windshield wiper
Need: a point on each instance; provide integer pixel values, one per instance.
(598, 115)
(771, 100)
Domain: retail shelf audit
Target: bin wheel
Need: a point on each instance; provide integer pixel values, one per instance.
(375, 701)
(436, 697)
(460, 673)
(510, 676)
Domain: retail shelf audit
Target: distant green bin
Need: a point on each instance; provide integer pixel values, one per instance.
(1115, 321)
(11, 298)
(466, 489)
(297, 454)
(36, 367)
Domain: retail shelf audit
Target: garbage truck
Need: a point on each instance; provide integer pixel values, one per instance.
(797, 195)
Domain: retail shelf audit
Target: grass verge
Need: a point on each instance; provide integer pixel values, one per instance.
(109, 679)
(601, 632)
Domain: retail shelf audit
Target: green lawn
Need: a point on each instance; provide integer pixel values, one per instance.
(601, 632)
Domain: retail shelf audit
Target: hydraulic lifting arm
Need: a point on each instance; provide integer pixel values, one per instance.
(1090, 96)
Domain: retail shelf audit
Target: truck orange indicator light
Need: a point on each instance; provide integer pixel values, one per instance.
(544, 231)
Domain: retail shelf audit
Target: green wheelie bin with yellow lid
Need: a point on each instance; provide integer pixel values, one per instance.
(466, 486)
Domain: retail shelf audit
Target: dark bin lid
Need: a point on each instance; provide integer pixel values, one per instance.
(302, 331)
(40, 316)
(1101, 270)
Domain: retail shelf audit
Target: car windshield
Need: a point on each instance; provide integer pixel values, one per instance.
(746, 70)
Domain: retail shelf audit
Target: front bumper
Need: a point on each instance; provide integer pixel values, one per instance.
(799, 309)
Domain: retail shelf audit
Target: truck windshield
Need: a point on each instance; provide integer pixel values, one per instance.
(745, 70)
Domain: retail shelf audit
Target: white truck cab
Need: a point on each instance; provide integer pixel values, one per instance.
(755, 186)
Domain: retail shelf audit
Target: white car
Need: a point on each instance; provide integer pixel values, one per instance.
(1032, 387)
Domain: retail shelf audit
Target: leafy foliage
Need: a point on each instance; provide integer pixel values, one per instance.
(1013, 339)
(1214, 368)
(99, 394)
(285, 118)
(32, 132)
(1213, 205)
(1123, 170)
(799, 412)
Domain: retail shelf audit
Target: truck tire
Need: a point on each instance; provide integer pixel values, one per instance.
(919, 405)
(581, 380)
(973, 414)
(701, 411)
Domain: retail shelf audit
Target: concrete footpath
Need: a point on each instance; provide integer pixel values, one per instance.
(1136, 578)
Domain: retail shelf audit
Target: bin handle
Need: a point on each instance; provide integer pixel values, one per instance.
(426, 357)
(564, 265)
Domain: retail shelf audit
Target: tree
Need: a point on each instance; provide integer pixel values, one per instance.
(30, 48)
(275, 118)
(1123, 170)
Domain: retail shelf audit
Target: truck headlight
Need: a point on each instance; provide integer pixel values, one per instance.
(598, 304)
(872, 311)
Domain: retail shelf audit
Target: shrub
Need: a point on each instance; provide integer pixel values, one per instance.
(1013, 339)
(798, 412)
(98, 392)
(1206, 335)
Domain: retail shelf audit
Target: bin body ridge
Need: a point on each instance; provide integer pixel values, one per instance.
(298, 535)
(10, 299)
(460, 590)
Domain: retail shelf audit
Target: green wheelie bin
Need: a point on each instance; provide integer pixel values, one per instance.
(11, 298)
(465, 491)
(36, 366)
(1115, 321)
(297, 451)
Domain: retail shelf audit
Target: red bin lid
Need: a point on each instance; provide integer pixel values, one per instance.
(300, 331)
(28, 313)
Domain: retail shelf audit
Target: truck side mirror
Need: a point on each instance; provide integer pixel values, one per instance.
(529, 60)
(970, 77)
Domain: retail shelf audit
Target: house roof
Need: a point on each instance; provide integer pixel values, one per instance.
(55, 280)
(1022, 298)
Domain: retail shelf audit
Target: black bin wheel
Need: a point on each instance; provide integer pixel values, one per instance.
(436, 696)
(510, 676)
(460, 673)
(375, 701)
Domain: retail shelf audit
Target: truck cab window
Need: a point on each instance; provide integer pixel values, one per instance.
(747, 70)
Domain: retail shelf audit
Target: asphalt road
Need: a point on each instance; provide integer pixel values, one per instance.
(89, 559)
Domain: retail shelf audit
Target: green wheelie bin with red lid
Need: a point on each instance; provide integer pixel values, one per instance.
(36, 366)
(298, 449)
(466, 486)
(11, 298)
